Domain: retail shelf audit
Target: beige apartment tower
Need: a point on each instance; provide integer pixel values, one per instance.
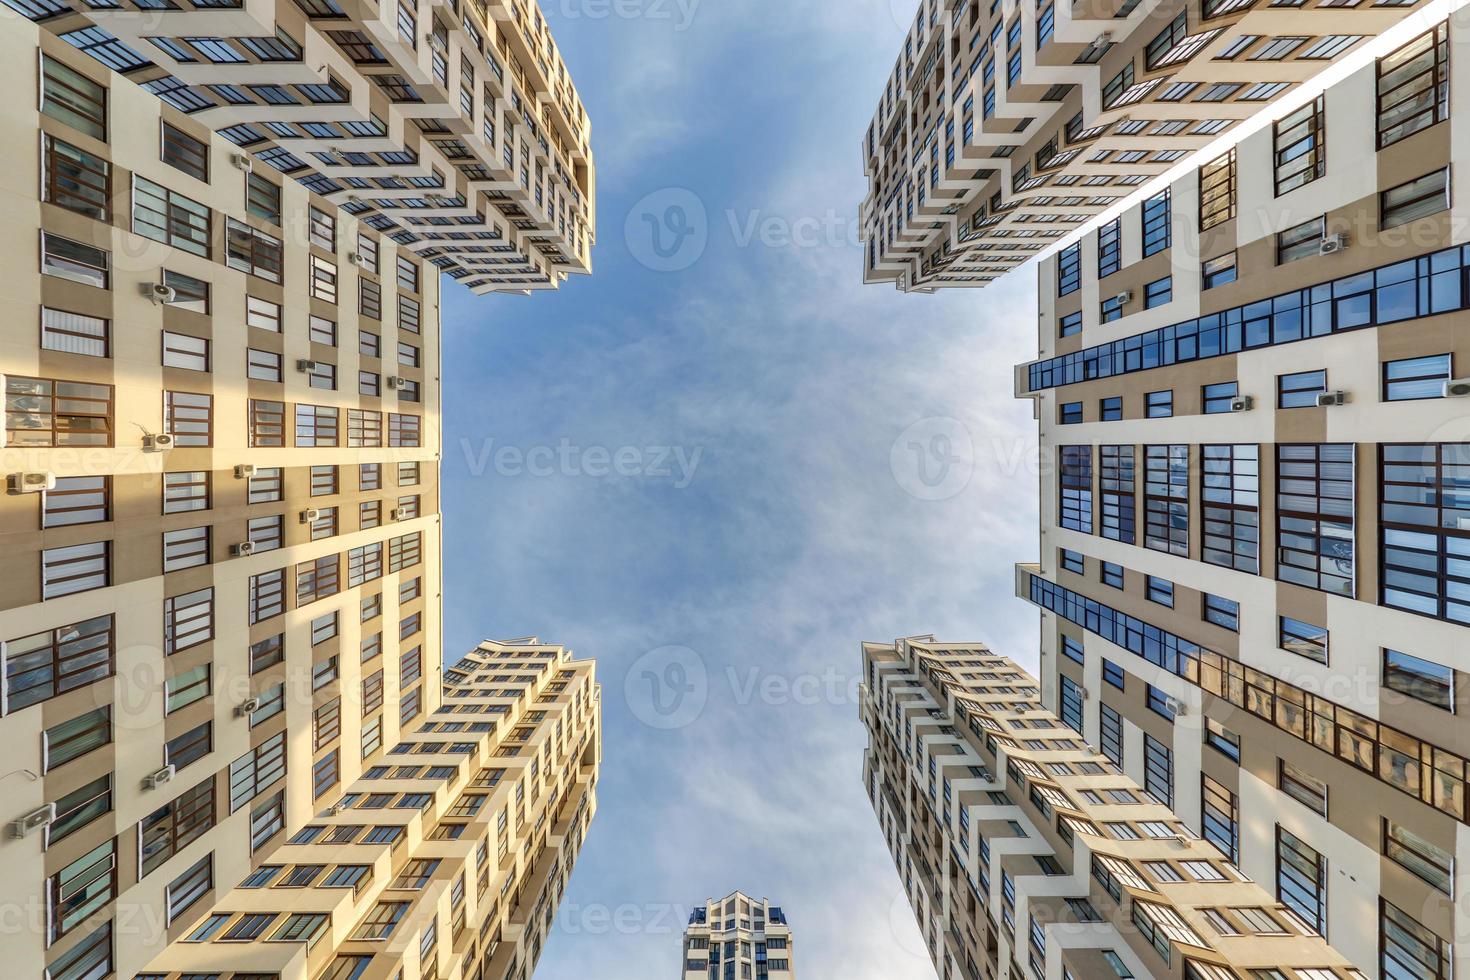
(738, 938)
(1024, 852)
(1255, 545)
(221, 616)
(1005, 126)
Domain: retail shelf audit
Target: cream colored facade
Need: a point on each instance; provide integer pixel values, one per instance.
(1255, 602)
(226, 611)
(1003, 127)
(738, 938)
(1026, 853)
(453, 129)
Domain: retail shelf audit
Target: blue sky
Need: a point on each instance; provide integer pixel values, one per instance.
(721, 462)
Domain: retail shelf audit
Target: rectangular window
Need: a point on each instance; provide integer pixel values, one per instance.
(1069, 324)
(1224, 613)
(1419, 856)
(75, 568)
(267, 595)
(263, 314)
(1299, 241)
(1222, 740)
(1303, 639)
(183, 152)
(75, 333)
(75, 261)
(80, 807)
(321, 330)
(46, 412)
(262, 365)
(1116, 483)
(326, 723)
(408, 274)
(1302, 786)
(267, 423)
(1413, 86)
(324, 774)
(1074, 504)
(1112, 575)
(323, 283)
(189, 747)
(369, 299)
(1069, 413)
(367, 252)
(316, 425)
(262, 198)
(188, 620)
(257, 770)
(1301, 880)
(81, 889)
(1217, 192)
(1301, 155)
(164, 215)
(187, 416)
(322, 375)
(253, 252)
(317, 579)
(1158, 292)
(1156, 225)
(364, 428)
(408, 314)
(267, 819)
(1111, 308)
(1423, 680)
(1109, 248)
(1159, 590)
(404, 430)
(1415, 199)
(1071, 561)
(321, 229)
(1111, 409)
(1110, 740)
(1425, 541)
(42, 665)
(1158, 404)
(408, 474)
(1158, 770)
(1073, 651)
(76, 180)
(172, 827)
(1216, 398)
(1314, 516)
(1416, 378)
(1069, 269)
(72, 98)
(1166, 499)
(324, 481)
(189, 293)
(1220, 818)
(185, 352)
(189, 887)
(76, 737)
(1218, 271)
(185, 548)
(77, 500)
(1071, 703)
(1230, 492)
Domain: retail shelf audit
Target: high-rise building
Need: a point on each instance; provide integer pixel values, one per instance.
(738, 937)
(1005, 126)
(1255, 541)
(1024, 852)
(453, 131)
(221, 611)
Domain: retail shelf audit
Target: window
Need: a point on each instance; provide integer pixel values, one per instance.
(80, 807)
(323, 481)
(1413, 87)
(1069, 324)
(267, 595)
(1112, 575)
(403, 430)
(86, 960)
(267, 653)
(1301, 880)
(75, 568)
(1222, 612)
(1425, 543)
(1419, 856)
(1303, 639)
(316, 425)
(1113, 674)
(369, 299)
(1218, 271)
(189, 293)
(77, 500)
(1415, 378)
(1158, 404)
(1074, 504)
(185, 548)
(75, 261)
(367, 252)
(169, 829)
(72, 98)
(1110, 741)
(324, 774)
(408, 474)
(187, 417)
(1407, 949)
(321, 330)
(1416, 199)
(1072, 561)
(252, 251)
(272, 702)
(164, 215)
(1109, 248)
(263, 314)
(1166, 499)
(326, 723)
(262, 365)
(1111, 308)
(408, 355)
(1160, 590)
(81, 888)
(183, 152)
(364, 428)
(322, 374)
(323, 279)
(267, 819)
(1222, 740)
(262, 198)
(408, 274)
(267, 422)
(1299, 241)
(1230, 494)
(1302, 786)
(1314, 516)
(42, 665)
(1216, 398)
(184, 689)
(1217, 192)
(1072, 650)
(257, 770)
(321, 229)
(73, 739)
(188, 620)
(1423, 680)
(1158, 770)
(408, 314)
(317, 579)
(1220, 817)
(370, 476)
(1069, 269)
(46, 412)
(183, 351)
(1158, 292)
(1111, 409)
(1301, 155)
(76, 180)
(1119, 522)
(189, 747)
(75, 333)
(1156, 233)
(1071, 703)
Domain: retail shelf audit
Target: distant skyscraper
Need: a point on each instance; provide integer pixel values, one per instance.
(1023, 852)
(1004, 127)
(738, 938)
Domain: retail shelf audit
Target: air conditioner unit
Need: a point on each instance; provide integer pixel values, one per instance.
(159, 293)
(1176, 706)
(1086, 694)
(309, 515)
(1124, 298)
(157, 779)
(306, 366)
(1242, 404)
(244, 471)
(31, 482)
(42, 816)
(1332, 243)
(247, 707)
(157, 443)
(1102, 40)
(1327, 399)
(396, 514)
(1458, 388)
(242, 161)
(354, 259)
(243, 550)
(397, 383)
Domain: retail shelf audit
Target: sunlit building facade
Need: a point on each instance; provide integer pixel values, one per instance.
(738, 938)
